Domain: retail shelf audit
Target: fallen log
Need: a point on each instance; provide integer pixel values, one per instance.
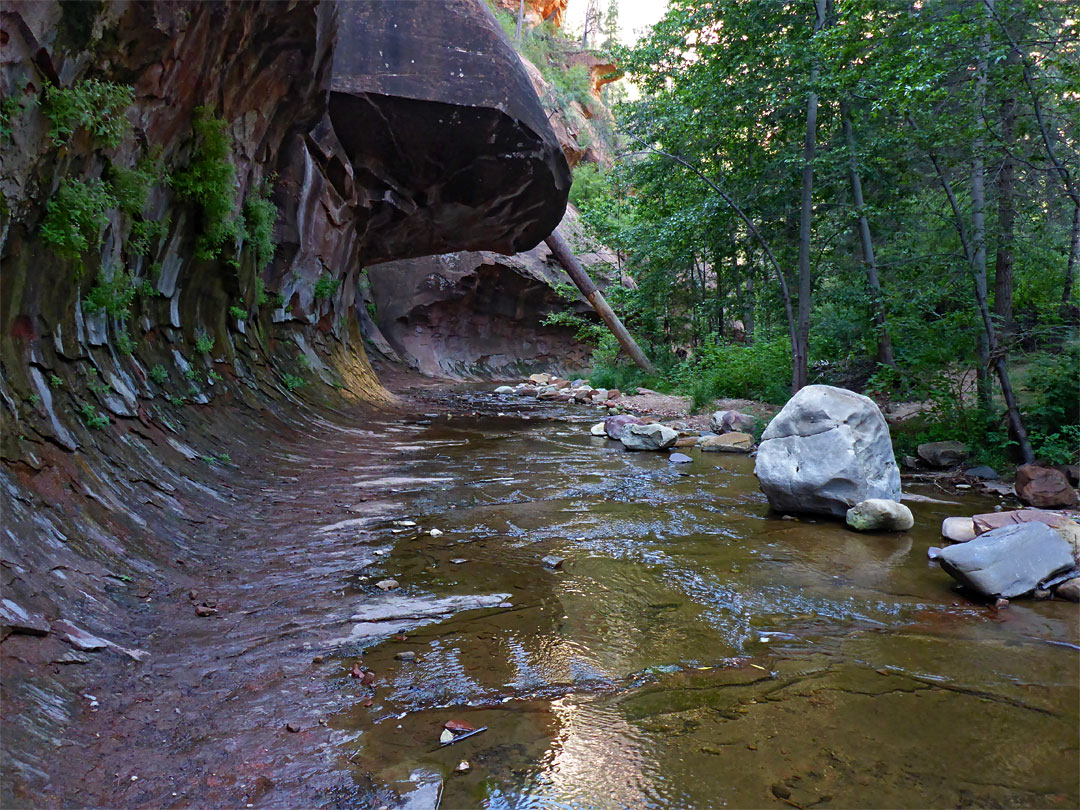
(565, 256)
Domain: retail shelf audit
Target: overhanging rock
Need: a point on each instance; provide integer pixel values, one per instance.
(450, 147)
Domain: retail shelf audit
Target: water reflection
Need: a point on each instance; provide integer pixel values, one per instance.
(695, 650)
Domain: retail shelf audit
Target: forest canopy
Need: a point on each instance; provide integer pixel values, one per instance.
(874, 193)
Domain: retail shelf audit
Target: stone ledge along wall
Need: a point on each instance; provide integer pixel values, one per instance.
(377, 131)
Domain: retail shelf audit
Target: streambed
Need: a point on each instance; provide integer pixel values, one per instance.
(694, 649)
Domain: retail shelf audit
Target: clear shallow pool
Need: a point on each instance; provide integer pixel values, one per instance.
(694, 650)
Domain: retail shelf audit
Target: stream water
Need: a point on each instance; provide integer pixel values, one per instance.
(694, 649)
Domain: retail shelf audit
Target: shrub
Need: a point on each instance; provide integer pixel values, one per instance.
(96, 106)
(292, 382)
(75, 215)
(91, 417)
(760, 371)
(238, 312)
(144, 232)
(11, 108)
(203, 343)
(260, 214)
(158, 374)
(327, 286)
(113, 293)
(209, 180)
(588, 185)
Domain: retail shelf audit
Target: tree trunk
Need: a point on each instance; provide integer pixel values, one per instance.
(1006, 180)
(565, 256)
(806, 212)
(520, 21)
(1074, 258)
(978, 220)
(884, 344)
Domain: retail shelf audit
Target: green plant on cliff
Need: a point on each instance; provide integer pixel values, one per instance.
(93, 419)
(259, 217)
(292, 382)
(144, 233)
(158, 374)
(55, 381)
(96, 106)
(209, 180)
(203, 343)
(11, 108)
(326, 287)
(239, 313)
(75, 215)
(113, 293)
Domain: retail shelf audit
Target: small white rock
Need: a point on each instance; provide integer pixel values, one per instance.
(386, 584)
(435, 533)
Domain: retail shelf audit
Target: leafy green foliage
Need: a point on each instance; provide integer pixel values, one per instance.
(209, 180)
(326, 287)
(292, 382)
(113, 293)
(96, 106)
(239, 313)
(259, 215)
(11, 109)
(204, 343)
(146, 232)
(93, 419)
(158, 374)
(75, 215)
(55, 381)
(588, 186)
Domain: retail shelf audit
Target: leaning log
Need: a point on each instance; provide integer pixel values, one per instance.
(565, 256)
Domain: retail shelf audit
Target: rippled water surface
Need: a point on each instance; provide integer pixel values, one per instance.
(695, 650)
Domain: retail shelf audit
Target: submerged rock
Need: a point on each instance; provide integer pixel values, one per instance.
(942, 454)
(1044, 487)
(983, 473)
(727, 443)
(827, 450)
(598, 429)
(504, 389)
(616, 425)
(1010, 561)
(879, 514)
(648, 437)
(679, 458)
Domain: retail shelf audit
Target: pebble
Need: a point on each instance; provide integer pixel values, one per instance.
(553, 562)
(318, 659)
(406, 655)
(386, 584)
(458, 561)
(435, 533)
(292, 726)
(679, 458)
(203, 610)
(463, 766)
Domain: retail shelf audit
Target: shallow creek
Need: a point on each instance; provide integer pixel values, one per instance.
(694, 650)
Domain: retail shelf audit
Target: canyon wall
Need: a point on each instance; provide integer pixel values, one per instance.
(190, 191)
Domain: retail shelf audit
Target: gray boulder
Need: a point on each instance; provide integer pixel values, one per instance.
(942, 454)
(504, 389)
(880, 515)
(731, 421)
(616, 425)
(728, 443)
(826, 451)
(1010, 561)
(648, 437)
